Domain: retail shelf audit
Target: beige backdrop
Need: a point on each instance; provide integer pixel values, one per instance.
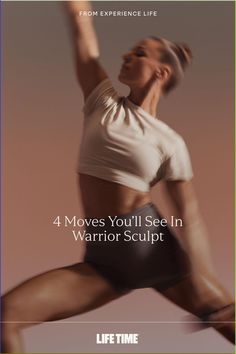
(41, 127)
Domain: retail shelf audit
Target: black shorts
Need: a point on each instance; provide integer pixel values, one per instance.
(137, 255)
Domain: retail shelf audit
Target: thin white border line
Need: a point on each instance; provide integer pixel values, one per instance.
(118, 322)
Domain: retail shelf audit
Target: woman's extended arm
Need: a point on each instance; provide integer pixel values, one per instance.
(89, 71)
(193, 231)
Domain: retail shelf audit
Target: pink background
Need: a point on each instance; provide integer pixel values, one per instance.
(41, 127)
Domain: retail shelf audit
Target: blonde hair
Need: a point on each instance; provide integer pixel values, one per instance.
(178, 56)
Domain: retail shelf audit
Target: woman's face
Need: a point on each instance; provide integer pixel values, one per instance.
(140, 63)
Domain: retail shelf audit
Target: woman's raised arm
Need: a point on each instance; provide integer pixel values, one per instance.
(86, 51)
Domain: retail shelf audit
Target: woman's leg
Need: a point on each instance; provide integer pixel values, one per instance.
(202, 293)
(53, 295)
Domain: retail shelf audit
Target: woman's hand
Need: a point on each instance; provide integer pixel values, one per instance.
(76, 7)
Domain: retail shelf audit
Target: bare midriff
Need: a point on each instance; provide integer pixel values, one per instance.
(101, 198)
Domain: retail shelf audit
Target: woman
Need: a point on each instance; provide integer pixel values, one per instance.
(125, 150)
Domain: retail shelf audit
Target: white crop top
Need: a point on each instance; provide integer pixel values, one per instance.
(125, 144)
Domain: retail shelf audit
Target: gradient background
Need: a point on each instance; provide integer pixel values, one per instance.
(41, 127)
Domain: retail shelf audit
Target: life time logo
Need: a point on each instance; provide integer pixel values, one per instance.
(117, 338)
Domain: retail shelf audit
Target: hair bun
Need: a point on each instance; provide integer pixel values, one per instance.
(184, 53)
